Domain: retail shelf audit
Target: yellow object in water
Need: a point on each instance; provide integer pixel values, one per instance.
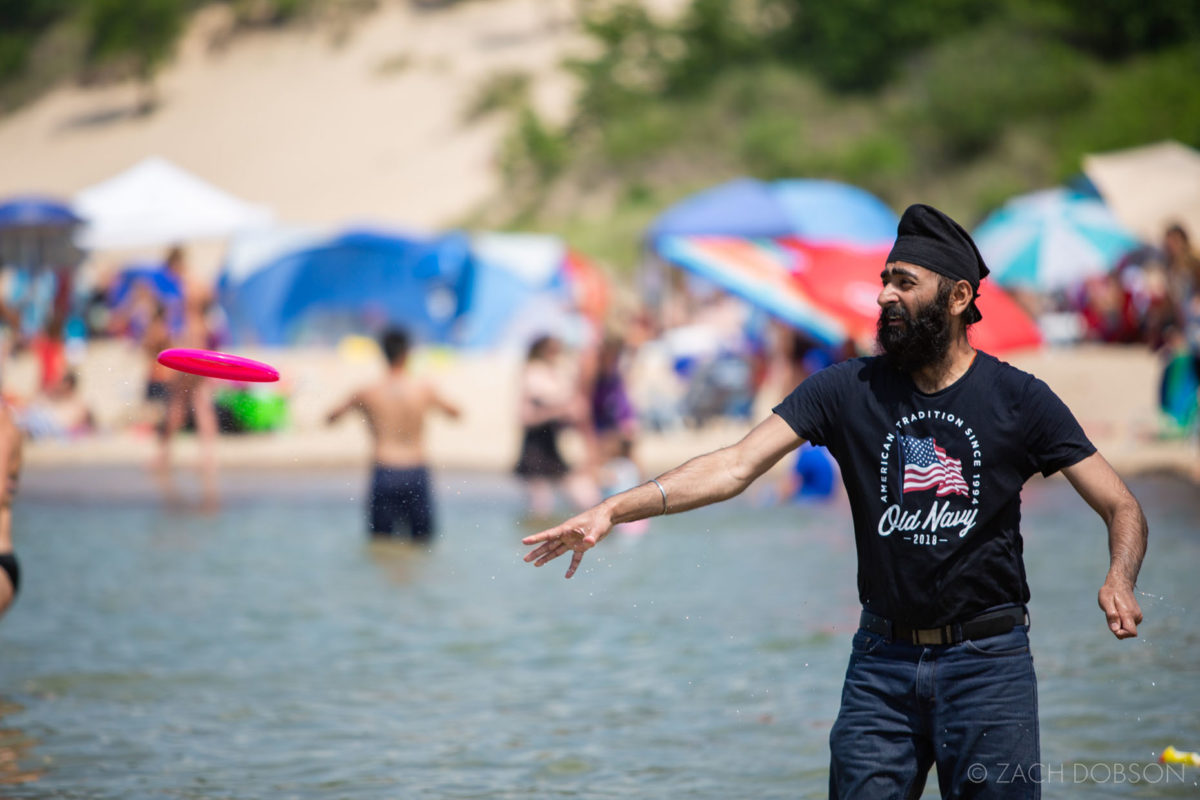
(1173, 756)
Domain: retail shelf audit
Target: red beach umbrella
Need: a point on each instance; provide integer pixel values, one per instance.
(844, 281)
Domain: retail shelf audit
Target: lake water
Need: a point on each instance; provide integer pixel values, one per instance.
(271, 651)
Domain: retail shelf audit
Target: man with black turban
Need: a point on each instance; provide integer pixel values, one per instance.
(935, 440)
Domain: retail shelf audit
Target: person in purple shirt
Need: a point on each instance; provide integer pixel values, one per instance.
(613, 417)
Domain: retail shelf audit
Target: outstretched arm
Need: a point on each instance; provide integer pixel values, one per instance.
(442, 404)
(354, 401)
(705, 479)
(1104, 491)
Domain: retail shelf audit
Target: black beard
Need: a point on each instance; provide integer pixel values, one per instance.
(922, 340)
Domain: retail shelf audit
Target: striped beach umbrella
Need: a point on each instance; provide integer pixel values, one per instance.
(844, 282)
(760, 272)
(1052, 239)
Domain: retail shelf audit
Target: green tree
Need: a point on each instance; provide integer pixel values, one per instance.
(857, 45)
(269, 12)
(629, 67)
(141, 33)
(713, 35)
(21, 22)
(975, 86)
(1115, 29)
(1148, 98)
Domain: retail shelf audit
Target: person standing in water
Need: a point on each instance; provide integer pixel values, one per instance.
(935, 440)
(192, 394)
(395, 409)
(10, 471)
(550, 401)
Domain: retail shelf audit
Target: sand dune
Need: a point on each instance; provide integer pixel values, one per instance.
(320, 127)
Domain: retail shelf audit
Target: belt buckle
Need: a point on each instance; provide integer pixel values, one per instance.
(929, 636)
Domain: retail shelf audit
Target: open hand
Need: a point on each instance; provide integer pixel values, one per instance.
(577, 535)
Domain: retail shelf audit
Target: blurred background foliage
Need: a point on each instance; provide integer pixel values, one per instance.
(43, 42)
(961, 102)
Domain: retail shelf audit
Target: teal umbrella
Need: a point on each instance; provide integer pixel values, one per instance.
(1052, 239)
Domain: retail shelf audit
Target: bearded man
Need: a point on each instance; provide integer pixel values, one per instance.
(935, 440)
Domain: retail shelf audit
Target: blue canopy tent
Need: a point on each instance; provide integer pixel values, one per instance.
(519, 288)
(353, 283)
(163, 284)
(164, 287)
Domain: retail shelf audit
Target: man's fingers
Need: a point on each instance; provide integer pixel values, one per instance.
(544, 536)
(554, 542)
(533, 555)
(538, 552)
(549, 539)
(1130, 617)
(1129, 622)
(1114, 619)
(555, 550)
(1122, 612)
(1112, 615)
(1120, 622)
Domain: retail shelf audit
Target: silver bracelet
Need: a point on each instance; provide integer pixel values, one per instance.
(663, 491)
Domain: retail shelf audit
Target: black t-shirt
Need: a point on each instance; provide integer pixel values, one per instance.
(934, 480)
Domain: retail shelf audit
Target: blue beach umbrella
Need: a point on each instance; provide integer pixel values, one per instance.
(35, 233)
(829, 212)
(743, 207)
(36, 211)
(817, 211)
(1051, 240)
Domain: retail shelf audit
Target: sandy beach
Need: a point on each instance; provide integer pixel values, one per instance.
(1112, 391)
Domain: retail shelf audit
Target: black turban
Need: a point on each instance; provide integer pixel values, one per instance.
(930, 239)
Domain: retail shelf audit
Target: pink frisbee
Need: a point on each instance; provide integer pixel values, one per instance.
(212, 364)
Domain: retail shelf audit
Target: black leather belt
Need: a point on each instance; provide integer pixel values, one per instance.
(989, 623)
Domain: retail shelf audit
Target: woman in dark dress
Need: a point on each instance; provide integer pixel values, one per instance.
(549, 402)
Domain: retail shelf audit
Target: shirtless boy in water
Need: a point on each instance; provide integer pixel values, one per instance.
(395, 409)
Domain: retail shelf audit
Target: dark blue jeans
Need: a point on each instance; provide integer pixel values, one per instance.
(969, 708)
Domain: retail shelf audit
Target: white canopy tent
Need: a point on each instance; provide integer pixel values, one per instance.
(155, 203)
(1150, 187)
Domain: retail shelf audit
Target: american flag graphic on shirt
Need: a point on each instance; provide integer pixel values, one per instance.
(927, 466)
